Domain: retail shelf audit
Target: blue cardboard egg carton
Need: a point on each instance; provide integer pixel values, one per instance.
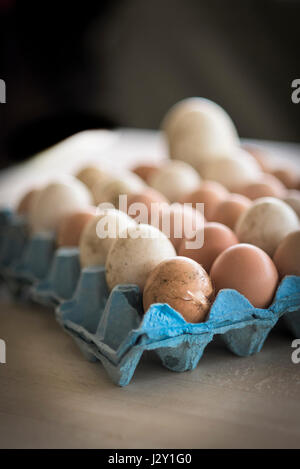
(111, 327)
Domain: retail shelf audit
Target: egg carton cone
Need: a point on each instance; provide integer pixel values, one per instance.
(61, 281)
(113, 329)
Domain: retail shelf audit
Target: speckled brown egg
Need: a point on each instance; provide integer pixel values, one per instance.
(180, 221)
(287, 255)
(70, 228)
(145, 171)
(24, 204)
(184, 285)
(210, 193)
(142, 206)
(229, 211)
(247, 269)
(217, 238)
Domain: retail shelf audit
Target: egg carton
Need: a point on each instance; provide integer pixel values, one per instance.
(112, 328)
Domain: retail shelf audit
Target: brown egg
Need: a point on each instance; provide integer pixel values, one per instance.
(268, 186)
(229, 211)
(24, 204)
(247, 269)
(148, 197)
(260, 155)
(288, 177)
(217, 238)
(210, 193)
(287, 255)
(145, 171)
(182, 284)
(180, 221)
(70, 228)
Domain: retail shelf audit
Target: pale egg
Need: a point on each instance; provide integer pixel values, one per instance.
(266, 223)
(99, 234)
(175, 179)
(137, 251)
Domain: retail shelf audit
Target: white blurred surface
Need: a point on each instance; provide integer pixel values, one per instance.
(122, 148)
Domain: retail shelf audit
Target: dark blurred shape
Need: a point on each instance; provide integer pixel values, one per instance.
(72, 66)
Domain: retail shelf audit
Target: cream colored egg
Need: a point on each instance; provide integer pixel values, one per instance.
(90, 175)
(233, 170)
(265, 223)
(292, 198)
(197, 127)
(123, 184)
(99, 234)
(175, 179)
(57, 200)
(135, 254)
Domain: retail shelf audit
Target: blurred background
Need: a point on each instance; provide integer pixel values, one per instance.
(70, 67)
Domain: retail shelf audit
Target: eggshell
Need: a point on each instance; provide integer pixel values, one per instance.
(57, 200)
(217, 238)
(99, 234)
(91, 175)
(210, 193)
(266, 223)
(292, 198)
(70, 227)
(175, 179)
(261, 156)
(288, 176)
(266, 187)
(182, 284)
(232, 170)
(110, 191)
(229, 210)
(140, 206)
(287, 255)
(196, 127)
(180, 221)
(145, 171)
(247, 269)
(135, 254)
(24, 204)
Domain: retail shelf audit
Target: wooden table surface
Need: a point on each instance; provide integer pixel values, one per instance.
(51, 397)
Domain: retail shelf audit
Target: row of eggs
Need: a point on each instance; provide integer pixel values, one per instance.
(251, 235)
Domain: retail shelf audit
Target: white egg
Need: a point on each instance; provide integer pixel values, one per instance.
(197, 127)
(133, 256)
(232, 170)
(99, 234)
(175, 179)
(266, 223)
(293, 200)
(57, 199)
(125, 183)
